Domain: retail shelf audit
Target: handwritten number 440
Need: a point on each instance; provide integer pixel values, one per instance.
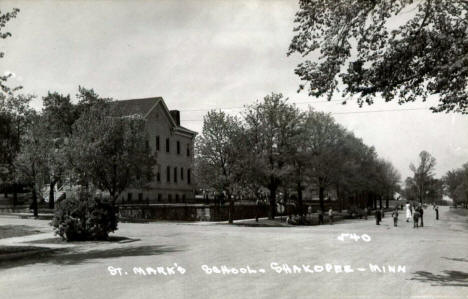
(364, 237)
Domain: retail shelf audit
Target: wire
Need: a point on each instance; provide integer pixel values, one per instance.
(349, 112)
(239, 107)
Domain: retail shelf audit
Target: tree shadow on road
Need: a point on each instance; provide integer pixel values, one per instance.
(449, 278)
(455, 259)
(57, 240)
(76, 255)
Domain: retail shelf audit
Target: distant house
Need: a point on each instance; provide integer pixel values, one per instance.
(173, 145)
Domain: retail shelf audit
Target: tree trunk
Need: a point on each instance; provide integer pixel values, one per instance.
(380, 201)
(299, 201)
(34, 201)
(231, 209)
(340, 200)
(272, 213)
(256, 210)
(15, 194)
(52, 194)
(321, 198)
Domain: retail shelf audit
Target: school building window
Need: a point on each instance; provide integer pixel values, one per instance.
(157, 143)
(167, 145)
(178, 147)
(140, 196)
(129, 196)
(158, 174)
(188, 176)
(169, 198)
(175, 174)
(159, 197)
(168, 174)
(181, 173)
(188, 150)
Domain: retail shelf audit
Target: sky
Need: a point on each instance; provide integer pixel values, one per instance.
(200, 55)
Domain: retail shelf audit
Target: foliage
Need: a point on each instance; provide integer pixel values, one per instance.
(219, 155)
(324, 144)
(216, 148)
(359, 47)
(14, 113)
(272, 126)
(456, 185)
(109, 150)
(423, 174)
(84, 217)
(4, 19)
(277, 146)
(30, 162)
(60, 114)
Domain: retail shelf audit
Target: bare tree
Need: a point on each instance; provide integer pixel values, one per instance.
(423, 173)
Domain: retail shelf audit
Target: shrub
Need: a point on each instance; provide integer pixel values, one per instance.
(85, 217)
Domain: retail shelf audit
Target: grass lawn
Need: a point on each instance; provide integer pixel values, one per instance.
(8, 231)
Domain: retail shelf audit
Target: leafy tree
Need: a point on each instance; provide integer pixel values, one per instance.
(108, 150)
(4, 19)
(324, 143)
(359, 47)
(59, 114)
(387, 178)
(423, 173)
(299, 161)
(435, 191)
(272, 126)
(14, 116)
(219, 155)
(30, 161)
(456, 185)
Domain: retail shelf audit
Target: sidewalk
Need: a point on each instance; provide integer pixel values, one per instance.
(24, 215)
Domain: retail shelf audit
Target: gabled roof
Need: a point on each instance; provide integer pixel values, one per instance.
(145, 106)
(137, 106)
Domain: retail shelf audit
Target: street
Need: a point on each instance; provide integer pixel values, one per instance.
(433, 261)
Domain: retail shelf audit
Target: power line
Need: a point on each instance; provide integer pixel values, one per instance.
(349, 112)
(376, 111)
(242, 107)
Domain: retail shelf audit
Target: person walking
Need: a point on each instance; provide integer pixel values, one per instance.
(395, 216)
(378, 217)
(415, 218)
(408, 212)
(421, 213)
(330, 216)
(436, 208)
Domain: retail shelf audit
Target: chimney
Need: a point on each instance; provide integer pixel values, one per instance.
(176, 116)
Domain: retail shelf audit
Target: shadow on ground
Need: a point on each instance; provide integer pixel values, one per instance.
(9, 231)
(455, 259)
(448, 278)
(76, 255)
(57, 240)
